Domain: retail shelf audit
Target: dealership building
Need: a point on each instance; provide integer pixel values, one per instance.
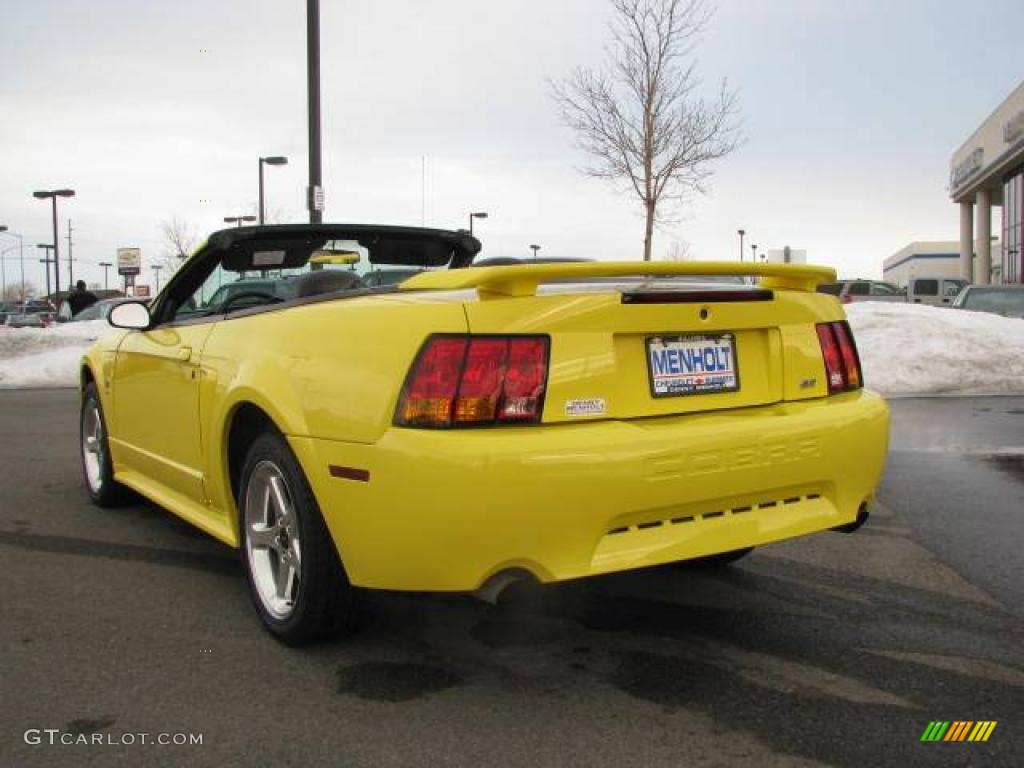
(933, 258)
(987, 171)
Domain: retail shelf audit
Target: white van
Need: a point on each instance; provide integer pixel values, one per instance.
(936, 291)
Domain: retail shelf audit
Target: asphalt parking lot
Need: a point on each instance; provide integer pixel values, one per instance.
(832, 650)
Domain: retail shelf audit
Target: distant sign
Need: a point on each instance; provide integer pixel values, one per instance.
(1013, 129)
(967, 168)
(141, 291)
(129, 261)
(316, 198)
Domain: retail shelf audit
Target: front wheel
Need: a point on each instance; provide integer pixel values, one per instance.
(297, 582)
(97, 468)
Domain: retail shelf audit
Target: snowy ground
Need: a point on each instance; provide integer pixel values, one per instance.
(905, 349)
(46, 357)
(909, 349)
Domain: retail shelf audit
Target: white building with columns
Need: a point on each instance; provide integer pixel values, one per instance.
(987, 171)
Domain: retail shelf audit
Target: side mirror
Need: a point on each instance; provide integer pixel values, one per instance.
(130, 314)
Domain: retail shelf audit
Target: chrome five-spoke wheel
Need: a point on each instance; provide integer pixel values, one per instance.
(93, 445)
(272, 539)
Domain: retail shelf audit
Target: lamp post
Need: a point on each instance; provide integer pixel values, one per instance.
(21, 257)
(156, 273)
(3, 272)
(239, 219)
(315, 193)
(741, 233)
(477, 215)
(106, 265)
(753, 247)
(275, 160)
(47, 261)
(535, 248)
(53, 194)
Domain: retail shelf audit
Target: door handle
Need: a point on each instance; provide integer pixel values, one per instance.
(184, 353)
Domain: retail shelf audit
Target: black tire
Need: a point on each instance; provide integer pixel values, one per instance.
(103, 489)
(323, 604)
(716, 561)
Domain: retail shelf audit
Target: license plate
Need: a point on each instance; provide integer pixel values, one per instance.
(692, 365)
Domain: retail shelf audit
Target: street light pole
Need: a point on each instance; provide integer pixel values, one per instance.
(239, 219)
(535, 248)
(21, 257)
(156, 271)
(477, 215)
(71, 269)
(53, 194)
(276, 160)
(47, 261)
(741, 233)
(315, 192)
(753, 247)
(106, 265)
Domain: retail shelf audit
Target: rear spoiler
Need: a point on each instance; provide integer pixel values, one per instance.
(523, 279)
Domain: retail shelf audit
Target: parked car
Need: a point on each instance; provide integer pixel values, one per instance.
(1006, 300)
(848, 291)
(476, 427)
(99, 310)
(26, 320)
(31, 314)
(936, 291)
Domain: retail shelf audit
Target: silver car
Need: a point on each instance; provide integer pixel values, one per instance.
(1005, 300)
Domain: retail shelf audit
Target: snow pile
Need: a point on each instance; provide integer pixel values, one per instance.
(46, 357)
(913, 349)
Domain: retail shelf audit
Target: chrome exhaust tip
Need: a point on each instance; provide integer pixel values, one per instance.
(505, 584)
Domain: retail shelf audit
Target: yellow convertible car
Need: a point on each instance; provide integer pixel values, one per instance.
(471, 427)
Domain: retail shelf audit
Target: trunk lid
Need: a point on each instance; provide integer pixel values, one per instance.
(636, 348)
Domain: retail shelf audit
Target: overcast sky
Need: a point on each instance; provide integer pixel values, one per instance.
(851, 111)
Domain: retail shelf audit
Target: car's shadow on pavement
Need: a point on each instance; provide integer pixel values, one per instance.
(768, 646)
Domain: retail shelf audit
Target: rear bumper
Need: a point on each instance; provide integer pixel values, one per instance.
(446, 510)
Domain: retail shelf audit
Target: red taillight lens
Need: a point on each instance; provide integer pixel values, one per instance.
(481, 383)
(430, 391)
(472, 381)
(851, 362)
(842, 366)
(525, 380)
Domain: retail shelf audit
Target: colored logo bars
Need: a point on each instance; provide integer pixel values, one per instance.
(959, 730)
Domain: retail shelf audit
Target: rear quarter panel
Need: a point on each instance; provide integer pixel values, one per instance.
(330, 370)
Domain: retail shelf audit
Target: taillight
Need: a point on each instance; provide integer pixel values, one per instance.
(842, 365)
(475, 380)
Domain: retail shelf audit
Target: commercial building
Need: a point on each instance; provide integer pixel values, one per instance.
(786, 255)
(933, 258)
(988, 170)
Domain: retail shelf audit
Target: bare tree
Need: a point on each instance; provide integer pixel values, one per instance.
(179, 241)
(13, 292)
(639, 117)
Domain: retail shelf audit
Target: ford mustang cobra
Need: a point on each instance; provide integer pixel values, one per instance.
(472, 426)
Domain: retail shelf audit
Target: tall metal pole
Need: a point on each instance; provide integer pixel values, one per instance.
(71, 269)
(56, 252)
(106, 265)
(741, 233)
(261, 191)
(315, 192)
